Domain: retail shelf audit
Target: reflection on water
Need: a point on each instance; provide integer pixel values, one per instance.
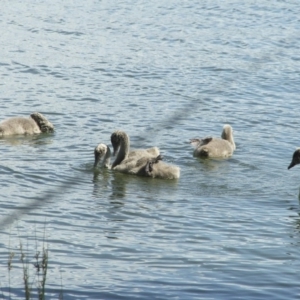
(108, 182)
(31, 140)
(213, 164)
(118, 187)
(105, 180)
(297, 223)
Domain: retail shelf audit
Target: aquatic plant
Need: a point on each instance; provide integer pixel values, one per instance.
(37, 263)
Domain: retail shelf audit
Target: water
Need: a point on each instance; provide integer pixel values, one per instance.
(164, 72)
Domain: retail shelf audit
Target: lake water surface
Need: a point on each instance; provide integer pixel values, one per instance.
(165, 72)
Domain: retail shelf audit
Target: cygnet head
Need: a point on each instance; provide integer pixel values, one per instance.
(116, 138)
(43, 123)
(295, 159)
(227, 134)
(99, 152)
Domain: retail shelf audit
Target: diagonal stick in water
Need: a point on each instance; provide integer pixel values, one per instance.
(53, 193)
(38, 202)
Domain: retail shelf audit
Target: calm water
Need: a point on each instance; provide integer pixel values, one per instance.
(164, 72)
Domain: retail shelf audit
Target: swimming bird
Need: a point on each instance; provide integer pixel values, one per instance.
(121, 146)
(102, 151)
(34, 124)
(212, 147)
(295, 159)
(142, 164)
